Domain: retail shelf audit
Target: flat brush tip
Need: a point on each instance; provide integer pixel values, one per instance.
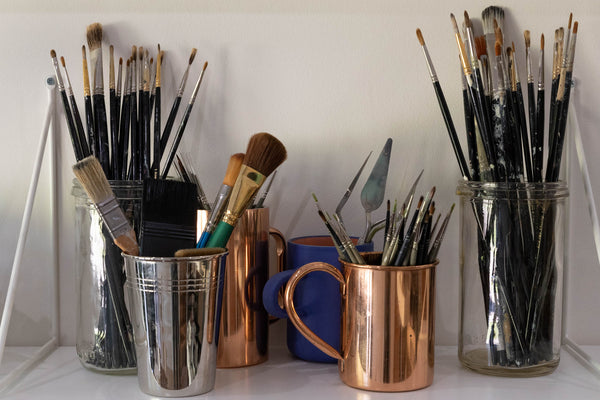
(575, 26)
(52, 53)
(94, 35)
(192, 56)
(233, 169)
(527, 36)
(498, 49)
(542, 42)
(420, 37)
(468, 20)
(205, 65)
(62, 61)
(570, 19)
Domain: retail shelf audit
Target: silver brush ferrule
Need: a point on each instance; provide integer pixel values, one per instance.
(113, 217)
(59, 80)
(218, 208)
(432, 73)
(183, 82)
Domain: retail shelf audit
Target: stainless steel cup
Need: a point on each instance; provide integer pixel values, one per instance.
(175, 306)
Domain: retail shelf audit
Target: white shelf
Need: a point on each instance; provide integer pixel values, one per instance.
(61, 376)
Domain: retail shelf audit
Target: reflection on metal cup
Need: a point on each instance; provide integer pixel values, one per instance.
(175, 306)
(387, 327)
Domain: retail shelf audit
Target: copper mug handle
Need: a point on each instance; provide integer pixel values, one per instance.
(281, 252)
(291, 310)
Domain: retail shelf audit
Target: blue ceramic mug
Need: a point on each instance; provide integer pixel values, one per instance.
(317, 296)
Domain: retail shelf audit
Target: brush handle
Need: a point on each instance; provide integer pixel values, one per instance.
(532, 123)
(178, 136)
(555, 157)
(157, 146)
(537, 145)
(220, 236)
(124, 137)
(553, 113)
(89, 120)
(79, 126)
(145, 120)
(471, 139)
(169, 125)
(464, 169)
(523, 129)
(102, 131)
(71, 126)
(136, 172)
(114, 133)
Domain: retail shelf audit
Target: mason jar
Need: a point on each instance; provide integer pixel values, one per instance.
(512, 258)
(104, 340)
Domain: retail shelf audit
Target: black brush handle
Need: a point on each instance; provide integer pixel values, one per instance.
(114, 134)
(555, 158)
(157, 146)
(553, 113)
(523, 129)
(471, 138)
(499, 127)
(79, 126)
(178, 136)
(532, 124)
(537, 151)
(89, 120)
(136, 172)
(488, 143)
(169, 125)
(514, 136)
(462, 164)
(145, 116)
(71, 126)
(102, 131)
(124, 137)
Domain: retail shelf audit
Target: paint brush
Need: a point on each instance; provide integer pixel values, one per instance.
(182, 124)
(94, 40)
(335, 238)
(175, 107)
(145, 115)
(231, 174)
(124, 124)
(263, 155)
(92, 178)
(488, 16)
(259, 203)
(537, 142)
(75, 110)
(346, 196)
(136, 171)
(530, 102)
(157, 115)
(89, 112)
(112, 104)
(169, 212)
(462, 164)
(435, 247)
(77, 148)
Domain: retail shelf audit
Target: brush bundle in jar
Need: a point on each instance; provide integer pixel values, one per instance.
(512, 211)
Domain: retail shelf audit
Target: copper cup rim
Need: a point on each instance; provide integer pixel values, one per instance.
(388, 268)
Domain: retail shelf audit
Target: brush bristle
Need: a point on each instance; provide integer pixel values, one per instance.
(498, 49)
(480, 46)
(527, 36)
(192, 56)
(575, 26)
(94, 36)
(499, 36)
(570, 20)
(52, 53)
(62, 61)
(83, 55)
(468, 23)
(233, 169)
(133, 52)
(91, 176)
(542, 42)
(264, 153)
(420, 37)
(454, 24)
(489, 15)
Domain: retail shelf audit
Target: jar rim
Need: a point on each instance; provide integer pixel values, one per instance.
(554, 190)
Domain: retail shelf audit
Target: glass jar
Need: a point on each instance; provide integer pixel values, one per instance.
(104, 340)
(512, 256)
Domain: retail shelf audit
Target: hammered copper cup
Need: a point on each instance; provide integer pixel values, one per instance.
(387, 326)
(243, 335)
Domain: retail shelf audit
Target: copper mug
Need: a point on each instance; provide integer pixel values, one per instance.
(387, 326)
(244, 329)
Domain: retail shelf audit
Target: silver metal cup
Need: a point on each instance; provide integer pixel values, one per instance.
(175, 306)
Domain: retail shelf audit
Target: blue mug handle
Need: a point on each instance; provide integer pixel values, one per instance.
(271, 293)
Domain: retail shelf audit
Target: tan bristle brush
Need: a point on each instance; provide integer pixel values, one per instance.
(263, 155)
(231, 174)
(91, 176)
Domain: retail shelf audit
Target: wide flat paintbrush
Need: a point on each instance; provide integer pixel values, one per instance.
(75, 110)
(94, 39)
(77, 148)
(91, 176)
(168, 223)
(175, 107)
(231, 174)
(182, 124)
(263, 155)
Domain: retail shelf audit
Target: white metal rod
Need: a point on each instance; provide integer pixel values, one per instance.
(12, 285)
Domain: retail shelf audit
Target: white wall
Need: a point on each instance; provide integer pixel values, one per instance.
(332, 79)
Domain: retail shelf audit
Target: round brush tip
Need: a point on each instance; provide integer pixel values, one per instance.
(52, 53)
(420, 37)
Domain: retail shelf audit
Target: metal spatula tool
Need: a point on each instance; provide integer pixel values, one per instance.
(373, 192)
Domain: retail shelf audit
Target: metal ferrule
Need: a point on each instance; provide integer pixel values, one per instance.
(529, 72)
(113, 217)
(501, 77)
(571, 52)
(471, 45)
(133, 76)
(183, 82)
(463, 58)
(59, 80)
(196, 88)
(246, 186)
(96, 59)
(541, 72)
(69, 88)
(146, 75)
(218, 208)
(127, 81)
(432, 73)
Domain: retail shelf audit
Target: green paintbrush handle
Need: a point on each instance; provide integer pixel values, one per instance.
(220, 236)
